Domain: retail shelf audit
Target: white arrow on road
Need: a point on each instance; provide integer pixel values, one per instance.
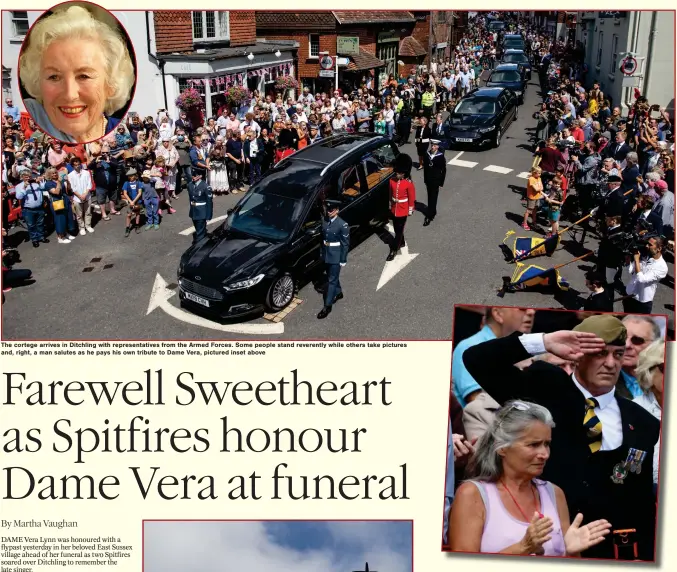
(462, 163)
(191, 230)
(398, 263)
(161, 294)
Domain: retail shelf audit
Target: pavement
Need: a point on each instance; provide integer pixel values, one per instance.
(107, 287)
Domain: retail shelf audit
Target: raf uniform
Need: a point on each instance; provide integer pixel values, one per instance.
(593, 475)
(201, 205)
(434, 173)
(334, 253)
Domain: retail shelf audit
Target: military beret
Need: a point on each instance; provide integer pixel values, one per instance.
(605, 326)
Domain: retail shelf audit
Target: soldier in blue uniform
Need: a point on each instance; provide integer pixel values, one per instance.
(334, 253)
(201, 205)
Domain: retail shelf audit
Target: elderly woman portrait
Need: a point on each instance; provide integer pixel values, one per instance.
(77, 72)
(505, 508)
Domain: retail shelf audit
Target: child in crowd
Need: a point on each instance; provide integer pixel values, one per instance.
(151, 201)
(554, 198)
(132, 193)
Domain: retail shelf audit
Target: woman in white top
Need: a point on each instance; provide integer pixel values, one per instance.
(338, 124)
(650, 376)
(389, 117)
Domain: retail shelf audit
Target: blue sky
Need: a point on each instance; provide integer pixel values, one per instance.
(285, 546)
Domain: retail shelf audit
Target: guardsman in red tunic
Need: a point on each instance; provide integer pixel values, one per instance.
(402, 200)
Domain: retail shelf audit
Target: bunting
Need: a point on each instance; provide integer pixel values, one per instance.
(240, 79)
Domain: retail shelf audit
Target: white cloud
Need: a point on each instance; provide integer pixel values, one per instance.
(244, 546)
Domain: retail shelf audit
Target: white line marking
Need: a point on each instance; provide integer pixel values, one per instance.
(159, 298)
(394, 266)
(524, 175)
(459, 163)
(497, 169)
(457, 156)
(191, 230)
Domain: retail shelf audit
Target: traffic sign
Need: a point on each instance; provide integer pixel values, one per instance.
(326, 62)
(629, 65)
(326, 73)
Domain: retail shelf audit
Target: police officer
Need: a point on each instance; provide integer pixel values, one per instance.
(334, 253)
(201, 205)
(434, 173)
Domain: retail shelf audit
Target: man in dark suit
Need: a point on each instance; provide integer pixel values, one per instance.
(618, 150)
(334, 252)
(599, 439)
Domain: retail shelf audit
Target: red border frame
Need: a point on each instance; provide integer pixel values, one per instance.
(661, 451)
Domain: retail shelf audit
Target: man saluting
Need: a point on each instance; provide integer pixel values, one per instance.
(434, 173)
(334, 253)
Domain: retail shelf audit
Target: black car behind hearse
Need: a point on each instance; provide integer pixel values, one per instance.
(510, 76)
(270, 243)
(481, 118)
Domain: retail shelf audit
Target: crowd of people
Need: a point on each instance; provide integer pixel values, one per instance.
(539, 461)
(621, 169)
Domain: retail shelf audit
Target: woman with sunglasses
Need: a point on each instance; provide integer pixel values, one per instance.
(650, 376)
(505, 508)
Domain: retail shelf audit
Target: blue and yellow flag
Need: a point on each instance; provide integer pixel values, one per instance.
(527, 277)
(529, 247)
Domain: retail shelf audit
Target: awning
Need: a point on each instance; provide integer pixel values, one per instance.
(411, 47)
(363, 61)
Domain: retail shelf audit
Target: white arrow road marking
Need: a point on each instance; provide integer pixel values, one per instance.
(524, 175)
(497, 169)
(161, 294)
(191, 230)
(394, 266)
(456, 162)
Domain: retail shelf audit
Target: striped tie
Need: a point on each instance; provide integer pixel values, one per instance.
(593, 425)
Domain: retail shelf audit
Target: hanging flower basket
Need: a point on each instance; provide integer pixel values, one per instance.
(237, 94)
(190, 98)
(285, 82)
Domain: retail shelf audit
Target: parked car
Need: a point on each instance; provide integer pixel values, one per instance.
(482, 117)
(517, 57)
(510, 76)
(271, 240)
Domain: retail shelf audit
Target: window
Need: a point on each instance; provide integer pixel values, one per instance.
(614, 54)
(385, 154)
(600, 42)
(441, 17)
(350, 184)
(210, 26)
(314, 45)
(20, 23)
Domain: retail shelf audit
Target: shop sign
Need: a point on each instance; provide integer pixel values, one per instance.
(348, 45)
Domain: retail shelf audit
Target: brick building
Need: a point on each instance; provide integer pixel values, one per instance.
(374, 43)
(212, 50)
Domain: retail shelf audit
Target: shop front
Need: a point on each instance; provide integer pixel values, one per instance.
(213, 74)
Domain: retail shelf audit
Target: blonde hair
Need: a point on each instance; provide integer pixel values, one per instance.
(649, 357)
(536, 171)
(78, 22)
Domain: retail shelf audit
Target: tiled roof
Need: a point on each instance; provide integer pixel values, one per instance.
(364, 61)
(173, 30)
(373, 16)
(295, 20)
(411, 47)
